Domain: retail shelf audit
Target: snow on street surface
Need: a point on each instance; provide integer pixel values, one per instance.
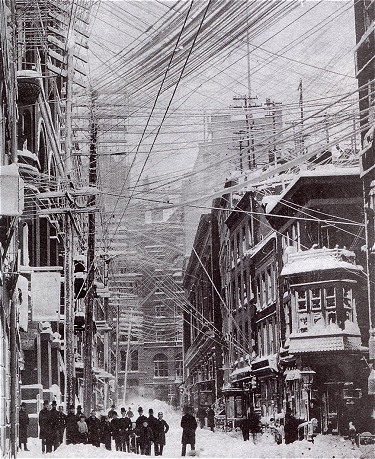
(212, 444)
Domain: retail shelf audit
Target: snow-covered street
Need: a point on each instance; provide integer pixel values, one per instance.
(216, 444)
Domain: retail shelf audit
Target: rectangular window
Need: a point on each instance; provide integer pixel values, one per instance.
(348, 302)
(330, 298)
(159, 310)
(160, 368)
(264, 289)
(269, 285)
(301, 296)
(249, 233)
(315, 299)
(244, 247)
(238, 246)
(232, 253)
(244, 288)
(258, 292)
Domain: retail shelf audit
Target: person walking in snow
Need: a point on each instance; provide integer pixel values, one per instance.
(116, 431)
(201, 413)
(126, 427)
(111, 411)
(93, 425)
(159, 437)
(71, 426)
(352, 432)
(106, 432)
(54, 425)
(211, 419)
(138, 424)
(145, 438)
(61, 424)
(189, 426)
(82, 429)
(44, 428)
(129, 413)
(23, 420)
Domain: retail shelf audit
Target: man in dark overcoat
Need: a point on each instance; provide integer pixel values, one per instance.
(61, 424)
(189, 426)
(23, 420)
(93, 425)
(159, 437)
(71, 426)
(54, 426)
(44, 428)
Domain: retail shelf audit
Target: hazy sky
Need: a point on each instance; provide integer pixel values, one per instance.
(315, 42)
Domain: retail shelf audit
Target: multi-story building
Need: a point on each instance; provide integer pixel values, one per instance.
(365, 72)
(145, 282)
(323, 300)
(203, 318)
(47, 70)
(11, 207)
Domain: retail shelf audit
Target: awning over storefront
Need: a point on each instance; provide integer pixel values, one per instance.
(292, 375)
(239, 372)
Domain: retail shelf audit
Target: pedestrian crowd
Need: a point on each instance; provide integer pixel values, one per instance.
(129, 435)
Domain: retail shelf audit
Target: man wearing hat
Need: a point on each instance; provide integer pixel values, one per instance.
(44, 428)
(93, 425)
(23, 420)
(54, 425)
(71, 426)
(138, 424)
(159, 437)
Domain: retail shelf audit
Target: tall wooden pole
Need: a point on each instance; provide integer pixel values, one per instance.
(89, 325)
(69, 395)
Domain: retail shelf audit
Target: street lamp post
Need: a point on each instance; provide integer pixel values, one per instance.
(308, 379)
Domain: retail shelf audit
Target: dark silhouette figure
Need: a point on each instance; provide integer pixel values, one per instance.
(23, 419)
(290, 428)
(126, 427)
(159, 437)
(111, 411)
(71, 426)
(116, 431)
(138, 424)
(61, 425)
(201, 413)
(189, 426)
(106, 432)
(211, 419)
(250, 424)
(93, 425)
(145, 438)
(44, 428)
(54, 426)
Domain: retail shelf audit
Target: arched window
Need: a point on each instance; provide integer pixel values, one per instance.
(160, 365)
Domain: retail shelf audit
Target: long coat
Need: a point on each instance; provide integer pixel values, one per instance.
(189, 426)
(210, 417)
(145, 436)
(71, 428)
(23, 423)
(93, 425)
(44, 424)
(161, 429)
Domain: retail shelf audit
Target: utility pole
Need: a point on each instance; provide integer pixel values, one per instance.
(127, 358)
(69, 395)
(117, 352)
(89, 325)
(300, 89)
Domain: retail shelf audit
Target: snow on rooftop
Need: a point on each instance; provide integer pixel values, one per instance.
(318, 263)
(328, 170)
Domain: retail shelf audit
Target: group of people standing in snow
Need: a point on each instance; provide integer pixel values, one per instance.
(128, 436)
